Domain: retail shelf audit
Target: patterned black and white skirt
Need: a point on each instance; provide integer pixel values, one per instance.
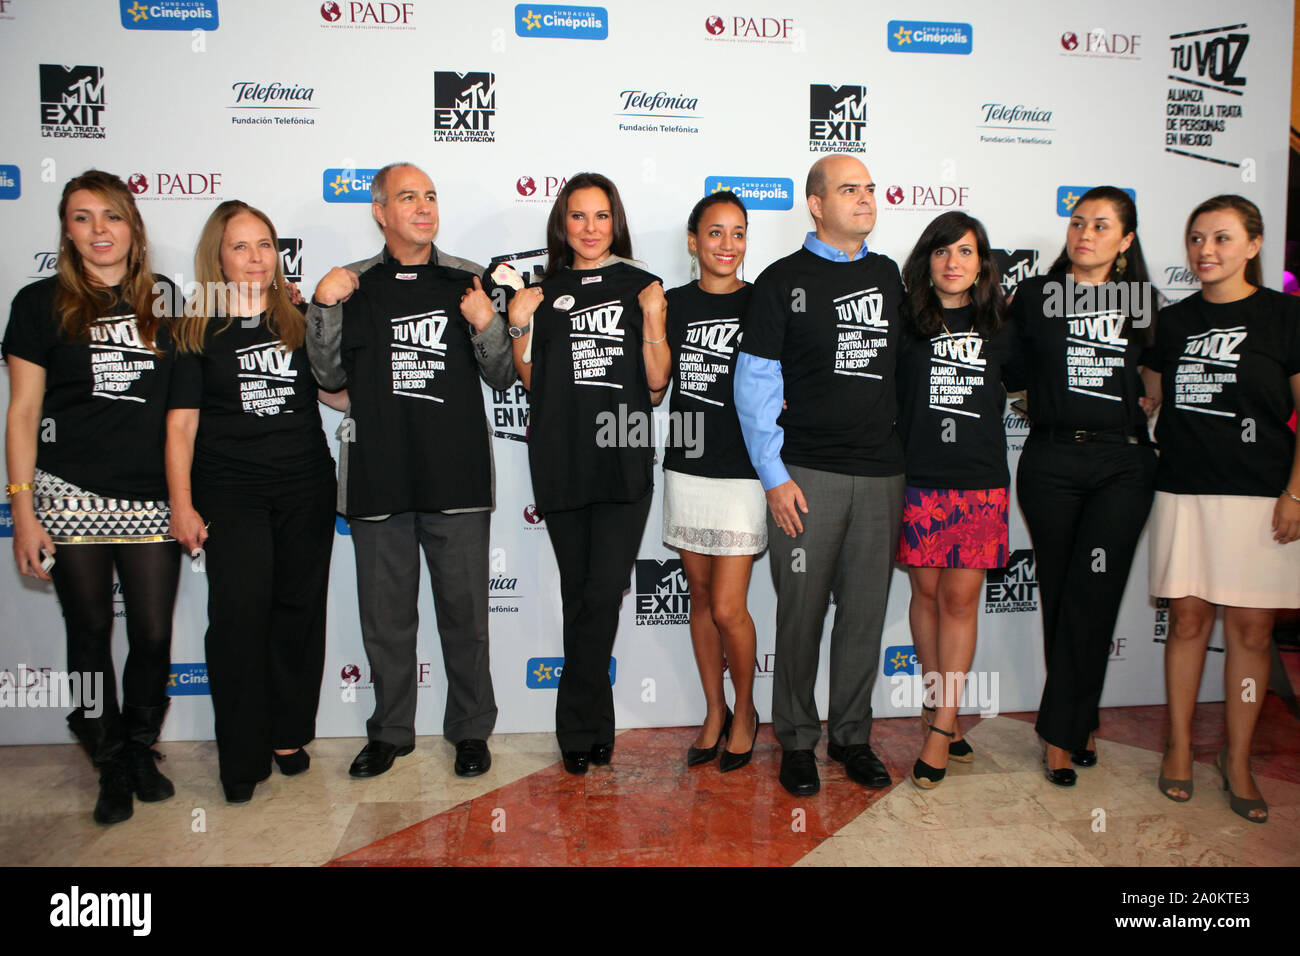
(73, 515)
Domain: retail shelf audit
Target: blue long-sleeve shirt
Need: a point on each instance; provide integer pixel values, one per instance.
(760, 392)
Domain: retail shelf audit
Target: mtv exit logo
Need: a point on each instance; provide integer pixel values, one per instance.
(188, 680)
(565, 22)
(291, 258)
(73, 101)
(900, 659)
(543, 673)
(346, 185)
(929, 36)
(464, 107)
(1067, 197)
(662, 594)
(837, 118)
(11, 182)
(169, 15)
(1013, 588)
(1015, 265)
(756, 192)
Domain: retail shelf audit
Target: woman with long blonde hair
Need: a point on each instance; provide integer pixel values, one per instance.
(244, 428)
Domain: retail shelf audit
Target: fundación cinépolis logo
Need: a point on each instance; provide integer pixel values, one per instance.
(346, 185)
(837, 118)
(929, 36)
(11, 181)
(562, 21)
(758, 192)
(169, 14)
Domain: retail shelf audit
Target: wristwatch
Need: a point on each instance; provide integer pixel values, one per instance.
(11, 490)
(519, 331)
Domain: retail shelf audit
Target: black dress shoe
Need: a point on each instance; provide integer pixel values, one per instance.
(860, 764)
(601, 754)
(695, 756)
(238, 792)
(472, 758)
(1083, 758)
(575, 761)
(377, 757)
(292, 764)
(799, 773)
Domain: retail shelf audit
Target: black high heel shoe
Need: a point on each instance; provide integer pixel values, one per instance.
(925, 776)
(1064, 777)
(734, 761)
(292, 764)
(697, 755)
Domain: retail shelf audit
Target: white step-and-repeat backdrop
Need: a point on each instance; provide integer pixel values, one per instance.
(292, 106)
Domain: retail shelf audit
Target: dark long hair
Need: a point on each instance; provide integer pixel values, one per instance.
(925, 315)
(558, 253)
(708, 202)
(1250, 219)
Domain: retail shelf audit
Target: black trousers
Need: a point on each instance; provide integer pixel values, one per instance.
(1085, 505)
(595, 547)
(267, 559)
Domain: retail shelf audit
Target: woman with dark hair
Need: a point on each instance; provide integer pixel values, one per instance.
(1086, 474)
(1221, 533)
(590, 346)
(89, 369)
(951, 367)
(245, 428)
(715, 511)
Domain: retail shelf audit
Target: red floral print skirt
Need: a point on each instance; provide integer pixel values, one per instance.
(947, 528)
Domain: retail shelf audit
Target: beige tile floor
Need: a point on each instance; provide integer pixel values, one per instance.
(997, 811)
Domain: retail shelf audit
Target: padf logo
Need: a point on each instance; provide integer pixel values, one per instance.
(542, 190)
(532, 515)
(1067, 197)
(188, 680)
(175, 185)
(361, 14)
(346, 185)
(900, 659)
(574, 23)
(662, 594)
(927, 36)
(169, 15)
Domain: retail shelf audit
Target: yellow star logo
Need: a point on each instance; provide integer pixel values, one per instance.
(899, 660)
(138, 12)
(340, 184)
(720, 188)
(903, 36)
(1070, 199)
(543, 672)
(533, 20)
(171, 680)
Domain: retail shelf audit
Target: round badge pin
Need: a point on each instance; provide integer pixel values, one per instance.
(564, 303)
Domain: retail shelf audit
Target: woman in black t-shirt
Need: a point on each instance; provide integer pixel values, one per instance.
(715, 511)
(1226, 520)
(1086, 474)
(953, 357)
(591, 347)
(245, 428)
(89, 367)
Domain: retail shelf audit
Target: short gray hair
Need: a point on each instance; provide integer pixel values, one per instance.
(379, 184)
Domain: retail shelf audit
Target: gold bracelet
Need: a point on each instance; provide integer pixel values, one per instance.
(11, 490)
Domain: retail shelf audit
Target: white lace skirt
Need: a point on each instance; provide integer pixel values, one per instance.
(717, 516)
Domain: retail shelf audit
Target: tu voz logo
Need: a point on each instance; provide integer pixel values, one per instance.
(1015, 265)
(1210, 58)
(662, 594)
(291, 258)
(72, 101)
(1013, 588)
(837, 118)
(464, 107)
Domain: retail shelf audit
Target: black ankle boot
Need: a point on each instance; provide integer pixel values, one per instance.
(103, 739)
(115, 786)
(142, 726)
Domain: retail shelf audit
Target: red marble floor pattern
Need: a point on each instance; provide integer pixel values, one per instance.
(648, 809)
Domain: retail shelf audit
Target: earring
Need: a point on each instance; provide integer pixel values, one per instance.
(740, 272)
(975, 283)
(1121, 264)
(695, 268)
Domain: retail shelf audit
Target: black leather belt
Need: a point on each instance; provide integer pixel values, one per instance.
(1077, 436)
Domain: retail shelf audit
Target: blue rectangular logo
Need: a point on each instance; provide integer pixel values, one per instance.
(341, 525)
(169, 15)
(6, 522)
(756, 192)
(347, 185)
(543, 673)
(900, 659)
(550, 20)
(188, 680)
(1067, 196)
(11, 182)
(929, 36)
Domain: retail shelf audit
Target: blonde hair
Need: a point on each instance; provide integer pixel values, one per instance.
(214, 297)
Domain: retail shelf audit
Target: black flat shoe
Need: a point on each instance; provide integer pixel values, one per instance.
(961, 751)
(377, 757)
(238, 792)
(292, 764)
(575, 761)
(733, 761)
(925, 776)
(799, 773)
(472, 758)
(861, 765)
(601, 754)
(696, 756)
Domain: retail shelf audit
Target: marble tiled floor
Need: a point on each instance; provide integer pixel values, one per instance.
(649, 809)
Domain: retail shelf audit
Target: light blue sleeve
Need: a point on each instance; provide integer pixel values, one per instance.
(760, 392)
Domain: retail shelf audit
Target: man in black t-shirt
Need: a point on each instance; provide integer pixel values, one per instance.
(815, 393)
(453, 531)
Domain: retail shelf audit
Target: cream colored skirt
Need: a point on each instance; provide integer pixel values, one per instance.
(717, 516)
(1220, 548)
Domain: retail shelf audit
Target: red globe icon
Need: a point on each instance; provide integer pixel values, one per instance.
(525, 186)
(330, 11)
(138, 183)
(531, 515)
(351, 673)
(894, 194)
(1069, 40)
(714, 25)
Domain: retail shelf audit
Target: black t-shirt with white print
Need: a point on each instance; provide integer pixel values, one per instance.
(419, 438)
(834, 327)
(103, 417)
(951, 404)
(258, 417)
(590, 435)
(704, 335)
(1080, 358)
(1226, 395)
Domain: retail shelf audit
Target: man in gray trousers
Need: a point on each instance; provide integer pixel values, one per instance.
(814, 391)
(415, 474)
